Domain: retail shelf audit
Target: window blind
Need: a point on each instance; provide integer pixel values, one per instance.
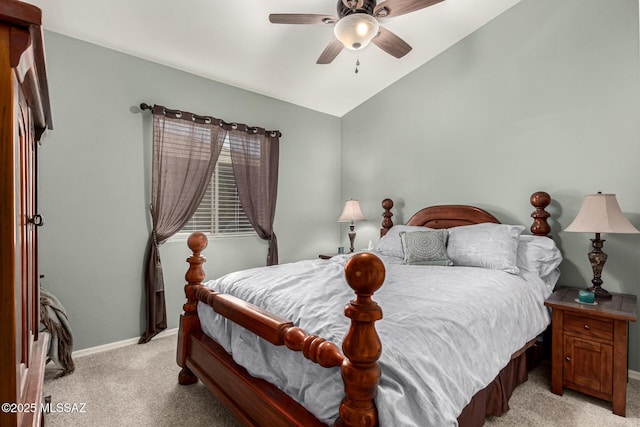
(220, 212)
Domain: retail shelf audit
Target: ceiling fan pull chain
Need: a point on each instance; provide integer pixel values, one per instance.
(357, 64)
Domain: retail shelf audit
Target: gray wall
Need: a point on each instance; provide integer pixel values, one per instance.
(545, 97)
(95, 181)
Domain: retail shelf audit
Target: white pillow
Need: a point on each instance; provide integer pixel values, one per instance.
(486, 245)
(391, 245)
(539, 255)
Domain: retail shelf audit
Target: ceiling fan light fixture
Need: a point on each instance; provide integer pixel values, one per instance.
(356, 30)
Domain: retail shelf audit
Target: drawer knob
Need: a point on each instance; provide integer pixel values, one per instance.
(586, 327)
(568, 359)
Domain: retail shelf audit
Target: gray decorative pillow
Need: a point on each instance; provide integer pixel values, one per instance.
(488, 245)
(390, 244)
(425, 247)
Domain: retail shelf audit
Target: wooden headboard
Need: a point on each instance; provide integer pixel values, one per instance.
(447, 216)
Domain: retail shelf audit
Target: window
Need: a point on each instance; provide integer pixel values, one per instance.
(220, 212)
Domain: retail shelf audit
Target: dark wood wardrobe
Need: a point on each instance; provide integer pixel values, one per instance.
(25, 114)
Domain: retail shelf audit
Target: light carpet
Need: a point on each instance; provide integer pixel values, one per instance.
(137, 386)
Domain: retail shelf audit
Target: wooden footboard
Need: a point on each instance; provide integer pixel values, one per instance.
(200, 357)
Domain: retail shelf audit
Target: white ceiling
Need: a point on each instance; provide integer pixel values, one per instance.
(233, 42)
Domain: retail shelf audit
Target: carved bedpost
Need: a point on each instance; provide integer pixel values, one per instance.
(387, 223)
(360, 371)
(540, 226)
(189, 321)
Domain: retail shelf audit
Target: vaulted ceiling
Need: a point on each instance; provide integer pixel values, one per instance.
(233, 42)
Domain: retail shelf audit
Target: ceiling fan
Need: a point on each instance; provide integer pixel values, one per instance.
(357, 24)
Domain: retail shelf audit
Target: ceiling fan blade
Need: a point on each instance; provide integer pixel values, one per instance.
(391, 8)
(301, 18)
(330, 52)
(390, 43)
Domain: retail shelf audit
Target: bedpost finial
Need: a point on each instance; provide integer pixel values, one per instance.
(197, 242)
(540, 200)
(365, 273)
(387, 223)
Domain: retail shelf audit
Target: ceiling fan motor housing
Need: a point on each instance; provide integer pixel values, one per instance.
(367, 7)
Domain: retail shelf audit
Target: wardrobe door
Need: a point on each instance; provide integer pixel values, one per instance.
(27, 222)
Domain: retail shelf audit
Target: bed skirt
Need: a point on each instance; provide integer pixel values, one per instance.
(493, 400)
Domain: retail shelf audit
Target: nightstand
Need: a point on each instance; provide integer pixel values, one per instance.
(589, 345)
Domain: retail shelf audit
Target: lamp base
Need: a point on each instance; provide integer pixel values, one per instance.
(597, 258)
(352, 238)
(599, 292)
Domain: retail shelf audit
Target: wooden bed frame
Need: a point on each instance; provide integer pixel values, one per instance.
(255, 402)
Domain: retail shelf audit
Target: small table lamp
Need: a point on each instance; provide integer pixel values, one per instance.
(351, 213)
(600, 213)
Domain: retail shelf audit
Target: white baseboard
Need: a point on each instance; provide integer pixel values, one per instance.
(118, 344)
(634, 375)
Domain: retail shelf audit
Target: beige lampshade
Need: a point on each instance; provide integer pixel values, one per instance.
(601, 213)
(351, 212)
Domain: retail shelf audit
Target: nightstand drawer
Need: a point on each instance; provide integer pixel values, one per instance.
(588, 327)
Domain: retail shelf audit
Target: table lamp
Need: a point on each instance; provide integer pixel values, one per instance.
(351, 213)
(600, 213)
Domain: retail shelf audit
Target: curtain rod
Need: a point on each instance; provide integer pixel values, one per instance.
(145, 106)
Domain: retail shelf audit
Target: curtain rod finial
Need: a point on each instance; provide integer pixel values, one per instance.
(145, 106)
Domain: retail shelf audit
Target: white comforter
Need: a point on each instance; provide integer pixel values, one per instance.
(446, 333)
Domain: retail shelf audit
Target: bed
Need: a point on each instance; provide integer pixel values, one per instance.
(286, 369)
